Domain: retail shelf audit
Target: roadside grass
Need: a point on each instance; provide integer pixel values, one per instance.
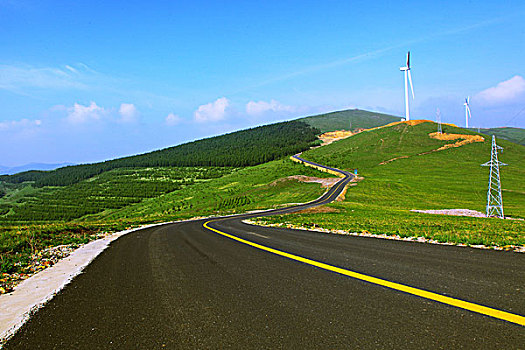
(448, 179)
(379, 220)
(23, 247)
(18, 242)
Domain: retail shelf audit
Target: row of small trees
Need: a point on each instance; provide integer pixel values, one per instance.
(233, 202)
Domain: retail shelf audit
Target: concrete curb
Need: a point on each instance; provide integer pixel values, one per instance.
(30, 295)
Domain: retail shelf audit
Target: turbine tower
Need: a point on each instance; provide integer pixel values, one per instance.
(467, 111)
(408, 78)
(494, 199)
(438, 115)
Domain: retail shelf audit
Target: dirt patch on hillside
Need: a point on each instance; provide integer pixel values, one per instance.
(315, 210)
(416, 122)
(331, 136)
(454, 212)
(325, 182)
(458, 212)
(391, 160)
(410, 122)
(464, 140)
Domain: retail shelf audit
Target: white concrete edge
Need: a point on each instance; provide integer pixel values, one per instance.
(33, 293)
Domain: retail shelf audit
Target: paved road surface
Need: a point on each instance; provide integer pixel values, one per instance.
(183, 286)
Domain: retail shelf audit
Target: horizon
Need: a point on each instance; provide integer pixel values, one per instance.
(65, 164)
(178, 144)
(83, 83)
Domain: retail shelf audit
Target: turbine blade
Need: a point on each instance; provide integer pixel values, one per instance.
(411, 86)
(468, 111)
(468, 99)
(408, 59)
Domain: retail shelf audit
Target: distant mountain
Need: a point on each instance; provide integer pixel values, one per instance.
(350, 119)
(4, 170)
(516, 135)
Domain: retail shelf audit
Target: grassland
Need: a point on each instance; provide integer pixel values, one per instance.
(420, 179)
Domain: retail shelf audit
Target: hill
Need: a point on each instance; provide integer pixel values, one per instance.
(241, 148)
(73, 192)
(516, 135)
(348, 120)
(403, 168)
(4, 170)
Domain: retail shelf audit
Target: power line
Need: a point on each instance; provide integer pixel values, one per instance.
(517, 114)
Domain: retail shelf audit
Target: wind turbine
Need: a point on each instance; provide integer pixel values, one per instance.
(467, 111)
(438, 115)
(408, 77)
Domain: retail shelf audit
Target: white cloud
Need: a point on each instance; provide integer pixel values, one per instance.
(261, 107)
(505, 92)
(71, 69)
(23, 123)
(128, 113)
(172, 119)
(79, 114)
(23, 77)
(26, 79)
(213, 111)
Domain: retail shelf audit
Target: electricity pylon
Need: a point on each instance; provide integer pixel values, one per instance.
(494, 199)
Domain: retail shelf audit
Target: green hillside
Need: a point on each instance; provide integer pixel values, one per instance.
(516, 135)
(349, 120)
(155, 192)
(113, 189)
(419, 178)
(252, 188)
(241, 148)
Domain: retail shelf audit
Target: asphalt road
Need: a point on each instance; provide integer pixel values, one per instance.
(184, 286)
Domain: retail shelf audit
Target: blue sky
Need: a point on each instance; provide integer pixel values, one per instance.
(86, 81)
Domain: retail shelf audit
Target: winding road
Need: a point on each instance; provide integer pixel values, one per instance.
(221, 283)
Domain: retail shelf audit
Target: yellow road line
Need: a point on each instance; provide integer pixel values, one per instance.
(484, 310)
